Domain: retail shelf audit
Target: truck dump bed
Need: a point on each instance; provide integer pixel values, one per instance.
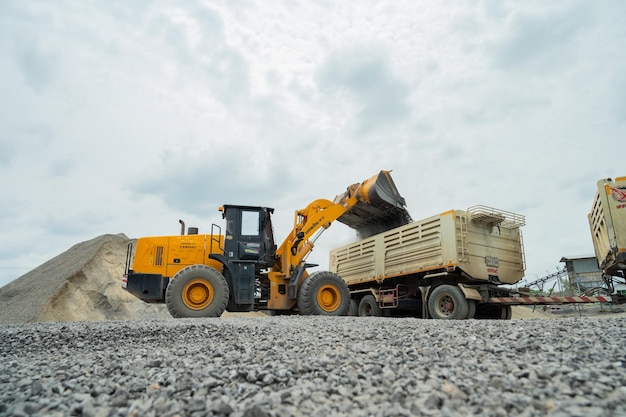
(482, 242)
(607, 221)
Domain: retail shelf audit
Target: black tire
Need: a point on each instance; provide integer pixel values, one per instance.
(369, 307)
(354, 307)
(493, 312)
(507, 313)
(197, 291)
(488, 312)
(324, 293)
(471, 312)
(447, 302)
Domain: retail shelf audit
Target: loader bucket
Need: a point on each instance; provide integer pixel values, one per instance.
(380, 206)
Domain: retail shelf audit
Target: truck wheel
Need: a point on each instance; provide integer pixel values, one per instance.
(471, 311)
(324, 293)
(447, 302)
(507, 313)
(354, 307)
(489, 312)
(369, 307)
(197, 291)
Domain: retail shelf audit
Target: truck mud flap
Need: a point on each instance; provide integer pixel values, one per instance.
(380, 207)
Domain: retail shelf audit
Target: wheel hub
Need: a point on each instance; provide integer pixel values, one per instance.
(446, 305)
(198, 294)
(328, 298)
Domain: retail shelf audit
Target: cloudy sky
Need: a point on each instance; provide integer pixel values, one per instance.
(123, 117)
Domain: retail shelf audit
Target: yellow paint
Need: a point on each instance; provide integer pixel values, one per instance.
(449, 212)
(198, 294)
(328, 298)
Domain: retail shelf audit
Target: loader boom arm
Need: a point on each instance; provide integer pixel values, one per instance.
(319, 214)
(374, 205)
(370, 207)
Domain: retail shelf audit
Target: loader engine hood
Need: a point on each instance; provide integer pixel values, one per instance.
(380, 206)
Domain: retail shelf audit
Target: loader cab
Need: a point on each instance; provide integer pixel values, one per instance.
(248, 249)
(249, 235)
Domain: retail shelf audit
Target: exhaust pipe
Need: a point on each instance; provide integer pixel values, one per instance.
(182, 227)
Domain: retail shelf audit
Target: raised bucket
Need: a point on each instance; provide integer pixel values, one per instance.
(380, 206)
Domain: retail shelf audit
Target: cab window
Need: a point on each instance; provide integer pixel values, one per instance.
(250, 223)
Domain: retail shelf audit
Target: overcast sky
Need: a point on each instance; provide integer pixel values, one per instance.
(124, 117)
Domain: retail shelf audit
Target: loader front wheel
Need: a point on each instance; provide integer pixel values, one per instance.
(448, 302)
(197, 291)
(324, 293)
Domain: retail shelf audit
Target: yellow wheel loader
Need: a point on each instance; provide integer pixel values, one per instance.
(241, 268)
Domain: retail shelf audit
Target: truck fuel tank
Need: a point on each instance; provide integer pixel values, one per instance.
(380, 206)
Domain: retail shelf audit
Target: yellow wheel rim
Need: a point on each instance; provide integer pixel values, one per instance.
(328, 298)
(198, 294)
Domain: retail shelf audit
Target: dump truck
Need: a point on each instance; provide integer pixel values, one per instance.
(241, 268)
(463, 263)
(448, 266)
(607, 222)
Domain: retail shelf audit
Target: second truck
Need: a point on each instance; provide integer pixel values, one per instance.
(607, 221)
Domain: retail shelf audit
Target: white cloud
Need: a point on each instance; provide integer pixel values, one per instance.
(123, 118)
(378, 96)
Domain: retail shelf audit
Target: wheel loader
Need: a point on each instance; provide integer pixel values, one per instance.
(241, 268)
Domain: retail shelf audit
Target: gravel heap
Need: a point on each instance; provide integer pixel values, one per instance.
(82, 283)
(314, 366)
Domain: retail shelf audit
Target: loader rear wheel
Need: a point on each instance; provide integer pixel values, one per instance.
(197, 291)
(324, 293)
(448, 302)
(369, 307)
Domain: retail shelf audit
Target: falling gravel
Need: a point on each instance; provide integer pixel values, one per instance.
(314, 366)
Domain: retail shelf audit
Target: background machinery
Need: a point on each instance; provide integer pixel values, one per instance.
(607, 221)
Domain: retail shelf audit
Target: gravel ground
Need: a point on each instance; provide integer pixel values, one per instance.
(314, 366)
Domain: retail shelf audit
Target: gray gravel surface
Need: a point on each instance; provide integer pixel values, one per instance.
(314, 366)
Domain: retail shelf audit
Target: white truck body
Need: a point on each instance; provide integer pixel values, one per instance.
(607, 221)
(481, 244)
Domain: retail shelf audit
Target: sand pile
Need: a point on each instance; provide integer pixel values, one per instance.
(82, 283)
